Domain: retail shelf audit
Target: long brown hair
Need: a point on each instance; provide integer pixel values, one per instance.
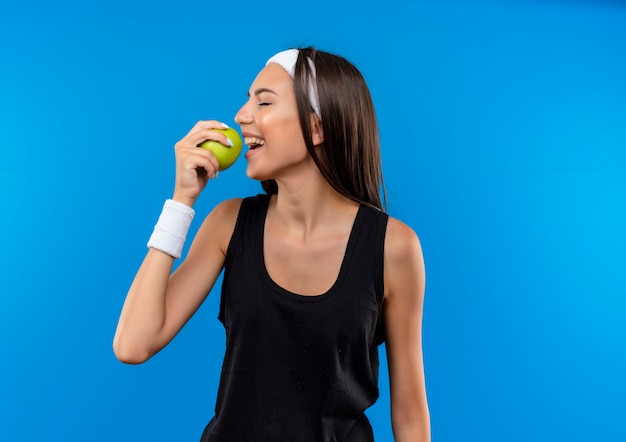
(349, 158)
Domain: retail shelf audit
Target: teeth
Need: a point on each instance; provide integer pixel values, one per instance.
(253, 141)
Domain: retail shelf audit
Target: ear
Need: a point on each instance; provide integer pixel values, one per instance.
(317, 134)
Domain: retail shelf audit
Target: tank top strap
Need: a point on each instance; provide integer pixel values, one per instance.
(251, 208)
(369, 256)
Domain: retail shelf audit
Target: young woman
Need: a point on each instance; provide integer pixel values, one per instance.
(316, 277)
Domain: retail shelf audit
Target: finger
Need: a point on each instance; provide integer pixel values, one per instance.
(207, 129)
(208, 124)
(201, 157)
(199, 136)
(212, 159)
(202, 131)
(200, 169)
(213, 135)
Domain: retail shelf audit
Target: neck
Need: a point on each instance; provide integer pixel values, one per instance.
(310, 203)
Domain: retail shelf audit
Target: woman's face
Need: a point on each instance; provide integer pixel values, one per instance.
(270, 125)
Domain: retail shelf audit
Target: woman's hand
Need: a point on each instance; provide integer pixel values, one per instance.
(195, 166)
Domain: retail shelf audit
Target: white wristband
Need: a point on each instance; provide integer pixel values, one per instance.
(171, 229)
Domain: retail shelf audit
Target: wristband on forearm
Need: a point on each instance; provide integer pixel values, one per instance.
(171, 229)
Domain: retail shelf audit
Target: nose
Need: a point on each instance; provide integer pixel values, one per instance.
(243, 116)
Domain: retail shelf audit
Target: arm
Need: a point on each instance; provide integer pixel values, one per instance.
(158, 305)
(404, 299)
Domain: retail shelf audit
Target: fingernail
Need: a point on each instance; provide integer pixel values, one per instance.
(226, 126)
(230, 142)
(215, 176)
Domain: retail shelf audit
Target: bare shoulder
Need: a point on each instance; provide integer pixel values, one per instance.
(404, 261)
(227, 210)
(401, 242)
(218, 226)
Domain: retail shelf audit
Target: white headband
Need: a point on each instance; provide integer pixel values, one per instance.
(287, 60)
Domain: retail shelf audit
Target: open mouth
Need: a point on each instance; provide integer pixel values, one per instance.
(253, 142)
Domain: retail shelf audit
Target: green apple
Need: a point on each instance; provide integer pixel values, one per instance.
(226, 155)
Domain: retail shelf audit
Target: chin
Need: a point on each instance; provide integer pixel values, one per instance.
(257, 175)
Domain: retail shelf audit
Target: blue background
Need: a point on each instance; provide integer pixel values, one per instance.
(504, 146)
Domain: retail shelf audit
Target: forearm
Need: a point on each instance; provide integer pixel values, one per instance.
(415, 431)
(143, 314)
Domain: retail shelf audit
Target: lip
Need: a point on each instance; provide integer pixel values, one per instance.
(251, 135)
(252, 152)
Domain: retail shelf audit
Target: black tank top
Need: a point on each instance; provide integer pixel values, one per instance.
(299, 368)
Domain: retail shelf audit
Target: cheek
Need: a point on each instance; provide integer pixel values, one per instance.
(283, 124)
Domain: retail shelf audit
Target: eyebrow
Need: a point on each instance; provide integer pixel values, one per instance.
(261, 90)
